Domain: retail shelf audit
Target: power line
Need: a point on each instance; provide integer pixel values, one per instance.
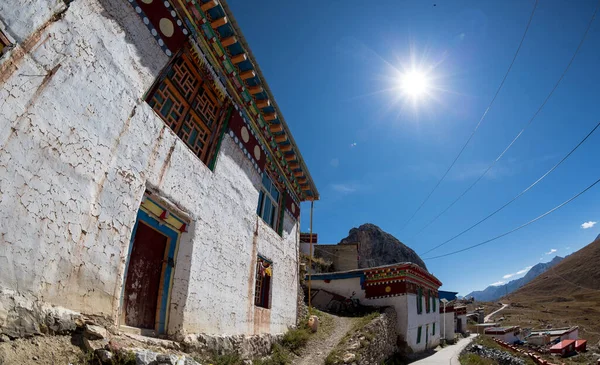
(519, 227)
(480, 120)
(521, 193)
(523, 129)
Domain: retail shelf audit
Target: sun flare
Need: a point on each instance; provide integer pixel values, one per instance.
(414, 83)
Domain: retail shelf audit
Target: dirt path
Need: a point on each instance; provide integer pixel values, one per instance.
(318, 348)
(488, 318)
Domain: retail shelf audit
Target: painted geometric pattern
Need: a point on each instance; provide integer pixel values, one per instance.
(202, 23)
(163, 23)
(291, 206)
(403, 271)
(244, 137)
(392, 288)
(188, 106)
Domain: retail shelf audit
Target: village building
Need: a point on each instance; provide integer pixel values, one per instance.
(563, 348)
(566, 333)
(147, 174)
(506, 334)
(305, 242)
(453, 318)
(406, 287)
(342, 257)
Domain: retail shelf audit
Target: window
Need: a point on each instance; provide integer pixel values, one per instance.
(433, 302)
(419, 301)
(427, 302)
(186, 101)
(419, 334)
(268, 202)
(433, 331)
(262, 288)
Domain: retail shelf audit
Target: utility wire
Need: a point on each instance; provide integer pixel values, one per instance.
(522, 130)
(519, 227)
(521, 193)
(480, 120)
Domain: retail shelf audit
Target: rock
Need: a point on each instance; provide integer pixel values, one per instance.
(377, 247)
(167, 359)
(95, 332)
(313, 323)
(35, 358)
(104, 355)
(93, 345)
(348, 357)
(4, 338)
(113, 346)
(144, 357)
(354, 346)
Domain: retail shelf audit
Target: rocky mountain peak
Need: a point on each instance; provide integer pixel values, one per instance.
(377, 247)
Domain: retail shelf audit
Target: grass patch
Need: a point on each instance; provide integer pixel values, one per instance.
(294, 340)
(334, 357)
(279, 356)
(474, 359)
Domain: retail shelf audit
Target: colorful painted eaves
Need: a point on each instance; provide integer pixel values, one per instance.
(211, 26)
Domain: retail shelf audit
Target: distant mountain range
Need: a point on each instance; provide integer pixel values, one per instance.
(492, 293)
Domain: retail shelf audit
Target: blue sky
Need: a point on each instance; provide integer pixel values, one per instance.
(375, 154)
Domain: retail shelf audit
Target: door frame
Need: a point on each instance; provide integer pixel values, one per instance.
(166, 281)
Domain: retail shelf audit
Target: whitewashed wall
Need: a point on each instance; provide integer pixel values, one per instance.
(78, 149)
(423, 319)
(448, 330)
(406, 309)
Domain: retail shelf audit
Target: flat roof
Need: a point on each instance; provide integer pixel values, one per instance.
(562, 344)
(555, 331)
(500, 330)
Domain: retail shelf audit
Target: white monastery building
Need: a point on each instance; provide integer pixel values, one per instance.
(411, 290)
(147, 174)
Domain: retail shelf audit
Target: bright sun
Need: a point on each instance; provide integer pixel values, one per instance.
(414, 83)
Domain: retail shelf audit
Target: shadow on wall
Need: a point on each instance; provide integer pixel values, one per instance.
(149, 53)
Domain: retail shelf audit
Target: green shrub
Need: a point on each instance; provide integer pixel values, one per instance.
(279, 356)
(226, 359)
(295, 339)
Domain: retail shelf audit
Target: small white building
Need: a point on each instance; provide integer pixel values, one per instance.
(408, 288)
(566, 333)
(454, 319)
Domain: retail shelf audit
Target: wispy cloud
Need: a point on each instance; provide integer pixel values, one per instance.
(497, 283)
(520, 272)
(568, 248)
(587, 225)
(335, 162)
(346, 188)
(353, 144)
(552, 250)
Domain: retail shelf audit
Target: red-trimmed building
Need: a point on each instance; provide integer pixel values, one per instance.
(563, 348)
(410, 289)
(506, 334)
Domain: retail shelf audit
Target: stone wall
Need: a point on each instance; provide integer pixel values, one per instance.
(79, 147)
(371, 344)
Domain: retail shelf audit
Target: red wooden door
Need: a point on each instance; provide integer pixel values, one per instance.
(144, 276)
